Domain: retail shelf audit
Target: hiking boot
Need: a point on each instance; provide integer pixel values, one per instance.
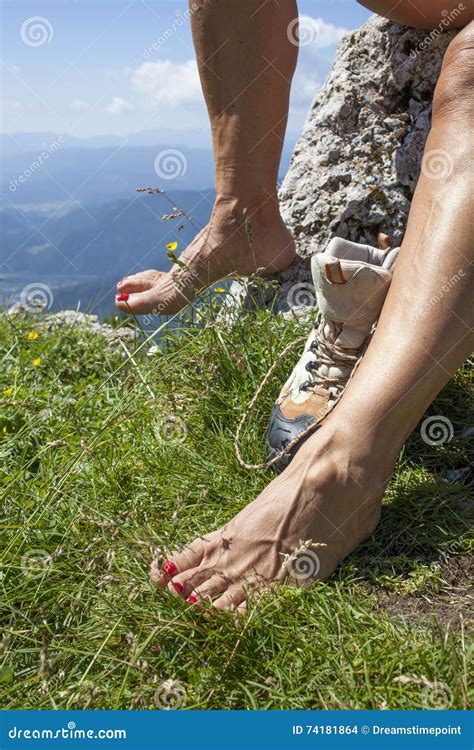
(351, 282)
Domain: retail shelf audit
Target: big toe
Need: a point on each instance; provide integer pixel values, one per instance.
(166, 296)
(138, 282)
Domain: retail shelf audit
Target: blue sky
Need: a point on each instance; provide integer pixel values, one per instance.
(99, 67)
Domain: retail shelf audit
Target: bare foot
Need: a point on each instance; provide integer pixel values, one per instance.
(231, 243)
(299, 529)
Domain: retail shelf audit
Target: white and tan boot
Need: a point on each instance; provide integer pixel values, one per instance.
(351, 282)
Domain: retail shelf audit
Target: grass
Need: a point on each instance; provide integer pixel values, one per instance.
(96, 475)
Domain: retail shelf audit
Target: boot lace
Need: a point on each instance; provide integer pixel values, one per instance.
(329, 356)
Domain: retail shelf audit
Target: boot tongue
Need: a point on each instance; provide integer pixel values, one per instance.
(347, 250)
(350, 308)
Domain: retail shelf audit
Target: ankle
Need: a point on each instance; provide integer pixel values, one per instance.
(262, 208)
(349, 454)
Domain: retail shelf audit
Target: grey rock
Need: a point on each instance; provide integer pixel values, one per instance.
(375, 111)
(114, 336)
(355, 167)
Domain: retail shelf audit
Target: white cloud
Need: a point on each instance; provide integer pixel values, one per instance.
(168, 83)
(79, 104)
(317, 33)
(329, 34)
(119, 105)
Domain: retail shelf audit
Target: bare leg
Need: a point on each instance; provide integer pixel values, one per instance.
(246, 62)
(426, 14)
(331, 492)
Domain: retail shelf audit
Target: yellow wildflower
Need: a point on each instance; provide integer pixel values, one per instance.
(36, 361)
(33, 335)
(172, 246)
(8, 391)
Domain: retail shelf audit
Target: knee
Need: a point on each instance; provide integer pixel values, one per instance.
(454, 95)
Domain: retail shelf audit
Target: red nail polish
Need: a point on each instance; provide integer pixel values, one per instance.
(192, 599)
(178, 586)
(169, 566)
(122, 297)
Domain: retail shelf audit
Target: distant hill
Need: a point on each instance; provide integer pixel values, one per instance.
(18, 143)
(119, 236)
(73, 219)
(99, 174)
(99, 169)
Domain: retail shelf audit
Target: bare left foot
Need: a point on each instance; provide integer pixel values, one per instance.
(299, 529)
(232, 243)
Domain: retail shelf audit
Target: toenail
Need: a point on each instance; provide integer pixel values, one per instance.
(178, 586)
(170, 568)
(192, 599)
(122, 297)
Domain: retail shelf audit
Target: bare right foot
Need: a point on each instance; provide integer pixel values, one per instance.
(234, 241)
(301, 526)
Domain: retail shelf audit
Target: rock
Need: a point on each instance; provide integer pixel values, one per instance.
(356, 164)
(385, 80)
(114, 336)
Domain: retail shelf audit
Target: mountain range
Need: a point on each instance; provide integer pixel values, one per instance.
(70, 209)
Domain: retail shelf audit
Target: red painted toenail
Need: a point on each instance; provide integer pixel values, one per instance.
(170, 568)
(192, 599)
(122, 297)
(178, 586)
